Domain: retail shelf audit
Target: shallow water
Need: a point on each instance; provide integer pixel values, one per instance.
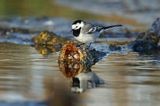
(129, 80)
(122, 77)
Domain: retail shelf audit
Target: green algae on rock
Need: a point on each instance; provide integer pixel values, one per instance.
(48, 38)
(48, 42)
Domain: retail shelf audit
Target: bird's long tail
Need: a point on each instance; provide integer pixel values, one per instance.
(107, 27)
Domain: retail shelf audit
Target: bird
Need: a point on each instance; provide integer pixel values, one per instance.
(87, 33)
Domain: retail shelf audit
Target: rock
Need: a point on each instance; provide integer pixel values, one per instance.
(145, 42)
(48, 42)
(155, 28)
(48, 38)
(75, 63)
(148, 41)
(74, 60)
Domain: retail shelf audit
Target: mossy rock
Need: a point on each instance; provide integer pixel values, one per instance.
(48, 42)
(48, 38)
(74, 59)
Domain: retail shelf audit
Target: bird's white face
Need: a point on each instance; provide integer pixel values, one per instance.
(77, 25)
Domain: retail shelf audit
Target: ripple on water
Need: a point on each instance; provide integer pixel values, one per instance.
(23, 71)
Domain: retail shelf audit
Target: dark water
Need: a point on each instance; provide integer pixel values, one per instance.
(121, 78)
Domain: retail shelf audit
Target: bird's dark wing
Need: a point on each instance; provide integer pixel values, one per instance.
(102, 28)
(92, 30)
(96, 29)
(89, 29)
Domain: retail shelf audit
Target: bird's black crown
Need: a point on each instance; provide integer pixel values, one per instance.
(77, 21)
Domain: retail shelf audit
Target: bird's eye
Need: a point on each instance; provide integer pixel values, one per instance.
(75, 26)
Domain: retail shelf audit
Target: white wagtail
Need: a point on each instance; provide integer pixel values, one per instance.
(87, 33)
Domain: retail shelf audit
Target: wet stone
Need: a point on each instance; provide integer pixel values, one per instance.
(155, 28)
(74, 60)
(146, 42)
(149, 40)
(46, 38)
(47, 42)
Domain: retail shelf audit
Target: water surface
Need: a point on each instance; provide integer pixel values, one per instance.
(130, 79)
(121, 78)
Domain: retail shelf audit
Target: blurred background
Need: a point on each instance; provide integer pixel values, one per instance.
(132, 12)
